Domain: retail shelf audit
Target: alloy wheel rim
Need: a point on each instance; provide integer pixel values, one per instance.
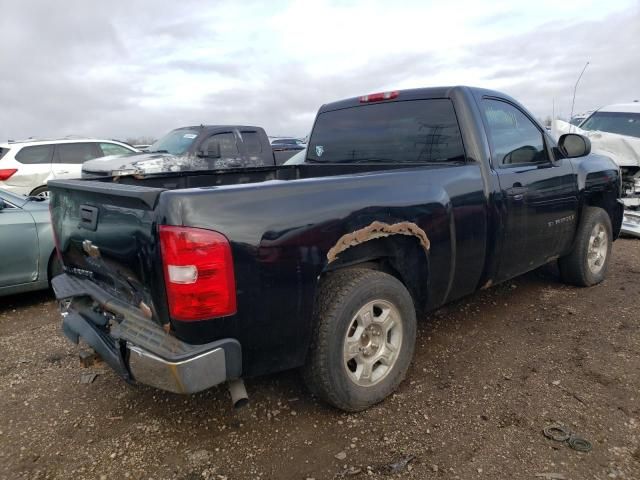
(597, 250)
(372, 343)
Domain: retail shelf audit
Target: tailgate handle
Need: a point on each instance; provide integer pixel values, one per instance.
(88, 217)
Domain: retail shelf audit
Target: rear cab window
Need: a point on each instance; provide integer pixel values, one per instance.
(35, 154)
(411, 132)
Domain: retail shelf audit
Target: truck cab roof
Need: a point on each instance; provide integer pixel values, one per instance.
(412, 94)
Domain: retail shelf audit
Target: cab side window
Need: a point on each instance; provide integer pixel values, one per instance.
(515, 140)
(252, 143)
(227, 142)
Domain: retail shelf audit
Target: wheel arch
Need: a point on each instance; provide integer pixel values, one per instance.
(39, 187)
(608, 201)
(400, 255)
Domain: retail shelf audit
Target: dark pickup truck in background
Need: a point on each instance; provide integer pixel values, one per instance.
(204, 147)
(406, 200)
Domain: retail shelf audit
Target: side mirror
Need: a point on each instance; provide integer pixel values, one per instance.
(212, 150)
(573, 145)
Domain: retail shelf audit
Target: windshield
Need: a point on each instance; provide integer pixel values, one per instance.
(176, 142)
(622, 123)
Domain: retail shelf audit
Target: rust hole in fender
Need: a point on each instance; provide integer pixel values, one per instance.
(377, 230)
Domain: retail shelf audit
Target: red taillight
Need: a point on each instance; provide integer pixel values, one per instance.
(378, 97)
(198, 271)
(6, 173)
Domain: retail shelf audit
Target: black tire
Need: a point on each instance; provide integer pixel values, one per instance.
(575, 267)
(342, 294)
(39, 191)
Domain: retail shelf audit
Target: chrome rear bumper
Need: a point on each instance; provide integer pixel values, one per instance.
(137, 348)
(185, 376)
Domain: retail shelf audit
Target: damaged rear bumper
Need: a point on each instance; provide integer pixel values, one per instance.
(137, 348)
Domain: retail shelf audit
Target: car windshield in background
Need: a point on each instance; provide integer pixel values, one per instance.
(176, 142)
(417, 131)
(622, 123)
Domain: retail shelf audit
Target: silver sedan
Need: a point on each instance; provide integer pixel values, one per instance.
(27, 251)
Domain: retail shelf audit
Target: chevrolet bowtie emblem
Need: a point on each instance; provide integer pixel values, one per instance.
(90, 249)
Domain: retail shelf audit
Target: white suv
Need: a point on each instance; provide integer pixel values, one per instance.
(27, 166)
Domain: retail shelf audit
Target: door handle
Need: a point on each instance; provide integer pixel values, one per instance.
(516, 193)
(62, 172)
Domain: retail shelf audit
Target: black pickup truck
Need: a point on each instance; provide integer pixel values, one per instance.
(406, 200)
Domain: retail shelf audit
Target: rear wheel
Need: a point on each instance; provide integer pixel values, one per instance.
(364, 338)
(40, 192)
(588, 262)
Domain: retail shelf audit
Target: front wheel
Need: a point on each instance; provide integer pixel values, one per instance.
(587, 263)
(364, 338)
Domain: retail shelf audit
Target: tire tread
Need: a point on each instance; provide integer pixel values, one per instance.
(572, 266)
(333, 292)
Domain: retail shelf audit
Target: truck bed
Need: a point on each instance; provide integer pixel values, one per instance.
(282, 223)
(196, 179)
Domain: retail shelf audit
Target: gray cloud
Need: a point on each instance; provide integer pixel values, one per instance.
(48, 54)
(540, 66)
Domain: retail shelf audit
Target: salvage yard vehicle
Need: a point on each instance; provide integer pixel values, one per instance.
(26, 166)
(27, 253)
(406, 200)
(614, 131)
(204, 147)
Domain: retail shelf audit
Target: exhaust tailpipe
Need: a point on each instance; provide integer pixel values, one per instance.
(239, 397)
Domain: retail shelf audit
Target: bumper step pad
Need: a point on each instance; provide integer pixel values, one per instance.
(147, 334)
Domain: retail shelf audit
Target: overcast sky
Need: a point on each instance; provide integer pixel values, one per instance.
(133, 68)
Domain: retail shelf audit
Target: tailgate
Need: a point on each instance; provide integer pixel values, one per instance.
(106, 234)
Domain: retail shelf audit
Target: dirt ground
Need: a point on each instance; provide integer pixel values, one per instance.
(490, 372)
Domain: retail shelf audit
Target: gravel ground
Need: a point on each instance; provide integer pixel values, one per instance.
(490, 372)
